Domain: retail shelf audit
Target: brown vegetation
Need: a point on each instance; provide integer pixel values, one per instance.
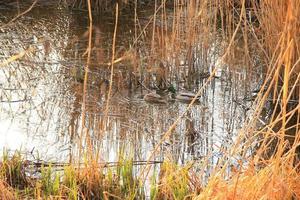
(251, 33)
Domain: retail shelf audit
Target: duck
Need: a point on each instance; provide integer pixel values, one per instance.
(187, 97)
(155, 98)
(181, 96)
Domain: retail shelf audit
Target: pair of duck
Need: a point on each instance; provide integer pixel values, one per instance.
(185, 97)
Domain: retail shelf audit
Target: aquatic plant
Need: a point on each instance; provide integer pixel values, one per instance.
(173, 182)
(12, 170)
(262, 162)
(50, 182)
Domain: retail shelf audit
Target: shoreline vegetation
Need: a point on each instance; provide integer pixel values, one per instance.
(263, 161)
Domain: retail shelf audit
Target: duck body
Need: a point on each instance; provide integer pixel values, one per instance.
(152, 97)
(187, 97)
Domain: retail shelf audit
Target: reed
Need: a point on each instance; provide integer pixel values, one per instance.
(87, 182)
(265, 158)
(13, 170)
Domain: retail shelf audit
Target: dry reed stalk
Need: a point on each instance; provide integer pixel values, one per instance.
(111, 71)
(281, 50)
(288, 65)
(6, 192)
(84, 130)
(277, 179)
(286, 56)
(16, 57)
(267, 183)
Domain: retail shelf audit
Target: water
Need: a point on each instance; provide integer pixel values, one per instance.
(41, 95)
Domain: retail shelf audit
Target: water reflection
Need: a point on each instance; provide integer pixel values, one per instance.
(41, 96)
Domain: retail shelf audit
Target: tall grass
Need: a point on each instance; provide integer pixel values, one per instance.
(265, 158)
(90, 181)
(266, 28)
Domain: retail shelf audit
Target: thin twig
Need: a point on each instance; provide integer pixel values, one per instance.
(19, 15)
(112, 68)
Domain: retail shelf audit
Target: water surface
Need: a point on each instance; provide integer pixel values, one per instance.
(41, 95)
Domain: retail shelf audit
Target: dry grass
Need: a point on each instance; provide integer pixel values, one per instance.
(274, 173)
(269, 182)
(6, 192)
(270, 29)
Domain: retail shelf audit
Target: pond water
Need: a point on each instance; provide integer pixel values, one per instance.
(41, 94)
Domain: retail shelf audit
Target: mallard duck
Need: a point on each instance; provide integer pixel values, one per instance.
(152, 97)
(186, 97)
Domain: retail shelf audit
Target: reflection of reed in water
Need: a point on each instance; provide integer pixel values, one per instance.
(191, 135)
(93, 110)
(160, 75)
